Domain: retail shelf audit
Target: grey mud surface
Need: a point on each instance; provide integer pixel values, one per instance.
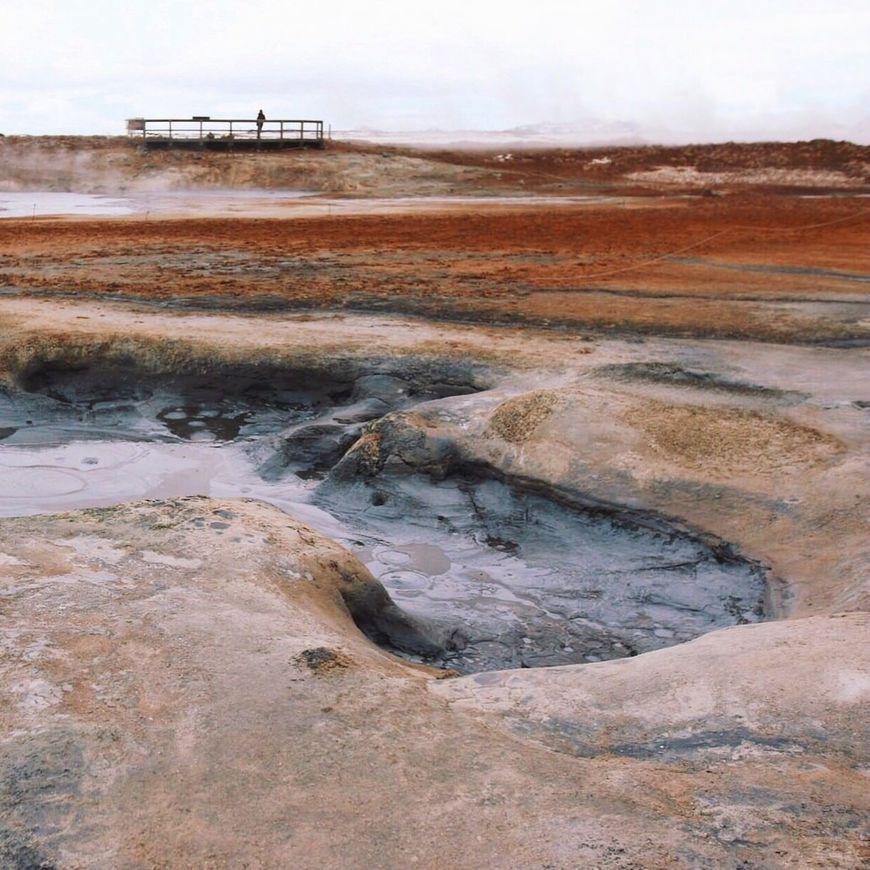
(497, 575)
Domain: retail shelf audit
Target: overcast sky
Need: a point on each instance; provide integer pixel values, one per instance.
(678, 69)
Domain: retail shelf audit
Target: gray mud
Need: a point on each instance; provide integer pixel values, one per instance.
(525, 580)
(674, 374)
(494, 575)
(774, 270)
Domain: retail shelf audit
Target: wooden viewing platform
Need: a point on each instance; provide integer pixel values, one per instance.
(225, 134)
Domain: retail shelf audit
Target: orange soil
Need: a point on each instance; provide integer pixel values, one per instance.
(693, 266)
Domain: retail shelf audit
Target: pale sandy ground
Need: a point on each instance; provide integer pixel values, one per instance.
(690, 175)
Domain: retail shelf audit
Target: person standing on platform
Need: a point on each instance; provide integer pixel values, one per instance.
(260, 118)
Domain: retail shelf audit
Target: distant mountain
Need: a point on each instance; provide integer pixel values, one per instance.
(583, 133)
(596, 132)
(528, 135)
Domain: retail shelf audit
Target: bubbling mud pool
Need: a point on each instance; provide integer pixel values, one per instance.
(501, 576)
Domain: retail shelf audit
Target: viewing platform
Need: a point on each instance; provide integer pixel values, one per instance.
(226, 134)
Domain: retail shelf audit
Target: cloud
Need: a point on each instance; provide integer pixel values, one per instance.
(706, 69)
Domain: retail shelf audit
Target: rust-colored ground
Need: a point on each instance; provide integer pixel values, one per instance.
(760, 266)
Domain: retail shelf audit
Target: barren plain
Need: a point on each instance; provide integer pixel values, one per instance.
(377, 507)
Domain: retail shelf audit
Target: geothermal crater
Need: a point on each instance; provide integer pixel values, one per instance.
(492, 571)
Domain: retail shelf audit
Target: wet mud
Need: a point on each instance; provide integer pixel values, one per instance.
(522, 580)
(483, 571)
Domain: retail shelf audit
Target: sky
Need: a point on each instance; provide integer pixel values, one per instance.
(685, 70)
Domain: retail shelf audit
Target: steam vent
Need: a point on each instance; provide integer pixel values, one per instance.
(372, 506)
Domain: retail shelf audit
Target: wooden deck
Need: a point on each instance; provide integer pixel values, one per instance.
(226, 134)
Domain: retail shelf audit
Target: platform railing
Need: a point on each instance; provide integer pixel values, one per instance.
(225, 129)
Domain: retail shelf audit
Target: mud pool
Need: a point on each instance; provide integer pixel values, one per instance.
(251, 203)
(499, 577)
(40, 203)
